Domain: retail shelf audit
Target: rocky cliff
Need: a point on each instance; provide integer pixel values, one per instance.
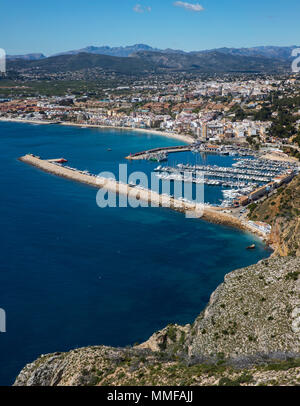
(252, 321)
(254, 313)
(282, 212)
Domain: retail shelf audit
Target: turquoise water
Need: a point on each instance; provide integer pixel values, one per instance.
(72, 274)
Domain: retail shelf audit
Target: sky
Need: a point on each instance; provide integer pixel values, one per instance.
(61, 25)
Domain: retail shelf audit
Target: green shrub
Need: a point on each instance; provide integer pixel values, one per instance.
(292, 276)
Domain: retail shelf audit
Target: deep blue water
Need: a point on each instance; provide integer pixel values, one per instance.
(72, 274)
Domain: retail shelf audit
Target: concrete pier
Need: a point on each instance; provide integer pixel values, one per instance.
(169, 150)
(147, 195)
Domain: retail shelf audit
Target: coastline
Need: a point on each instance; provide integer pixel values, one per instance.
(20, 120)
(210, 214)
(204, 212)
(185, 138)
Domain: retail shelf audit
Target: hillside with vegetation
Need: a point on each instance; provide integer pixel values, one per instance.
(107, 366)
(145, 62)
(272, 52)
(83, 61)
(212, 61)
(282, 212)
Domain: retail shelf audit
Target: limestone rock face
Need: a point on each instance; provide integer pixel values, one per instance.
(282, 212)
(80, 367)
(172, 337)
(255, 311)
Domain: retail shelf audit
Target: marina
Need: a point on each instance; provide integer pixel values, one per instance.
(263, 165)
(195, 209)
(247, 179)
(197, 147)
(220, 173)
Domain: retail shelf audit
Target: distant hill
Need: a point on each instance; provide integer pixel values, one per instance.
(27, 57)
(273, 52)
(147, 61)
(83, 61)
(212, 62)
(265, 51)
(114, 51)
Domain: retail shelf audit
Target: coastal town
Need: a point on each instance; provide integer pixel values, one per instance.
(254, 119)
(224, 111)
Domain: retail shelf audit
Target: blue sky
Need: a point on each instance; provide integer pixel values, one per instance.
(59, 25)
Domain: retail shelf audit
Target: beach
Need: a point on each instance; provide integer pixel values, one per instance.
(181, 137)
(185, 138)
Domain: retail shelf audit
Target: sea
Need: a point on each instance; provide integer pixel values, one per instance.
(73, 274)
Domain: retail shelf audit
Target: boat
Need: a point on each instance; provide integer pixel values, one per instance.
(159, 157)
(251, 247)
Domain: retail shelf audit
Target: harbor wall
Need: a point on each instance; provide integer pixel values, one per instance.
(169, 150)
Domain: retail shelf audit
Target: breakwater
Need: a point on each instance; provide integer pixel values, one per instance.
(156, 199)
(168, 150)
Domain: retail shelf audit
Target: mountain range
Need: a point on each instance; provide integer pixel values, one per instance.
(26, 57)
(143, 59)
(273, 52)
(145, 62)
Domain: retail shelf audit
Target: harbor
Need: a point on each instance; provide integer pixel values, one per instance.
(197, 147)
(249, 178)
(204, 211)
(139, 192)
(245, 181)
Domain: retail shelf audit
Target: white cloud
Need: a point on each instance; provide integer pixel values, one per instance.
(189, 6)
(138, 8)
